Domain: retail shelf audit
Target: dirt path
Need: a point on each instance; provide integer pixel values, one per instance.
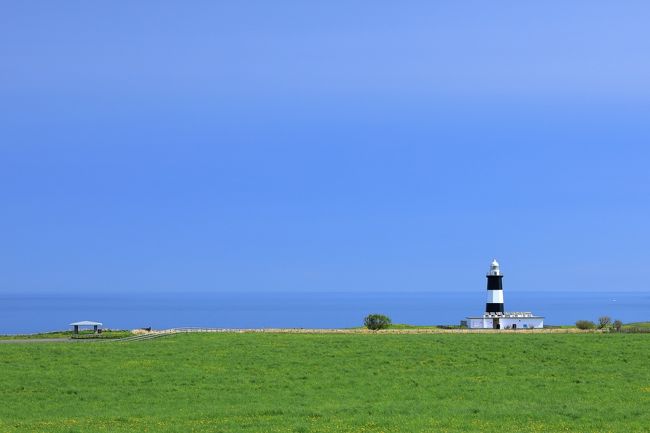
(174, 331)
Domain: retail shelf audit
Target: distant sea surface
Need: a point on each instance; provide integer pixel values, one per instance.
(30, 313)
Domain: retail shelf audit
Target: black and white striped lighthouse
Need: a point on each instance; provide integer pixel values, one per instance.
(495, 289)
(495, 316)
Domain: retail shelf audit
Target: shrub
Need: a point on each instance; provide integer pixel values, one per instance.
(376, 321)
(618, 325)
(604, 322)
(585, 324)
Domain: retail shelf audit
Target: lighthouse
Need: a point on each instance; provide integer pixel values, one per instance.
(494, 302)
(495, 316)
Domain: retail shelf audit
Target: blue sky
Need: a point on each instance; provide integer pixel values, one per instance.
(340, 146)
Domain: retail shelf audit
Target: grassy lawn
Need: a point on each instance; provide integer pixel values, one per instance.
(638, 325)
(55, 334)
(330, 383)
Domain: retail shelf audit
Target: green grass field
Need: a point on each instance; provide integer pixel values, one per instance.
(330, 383)
(638, 325)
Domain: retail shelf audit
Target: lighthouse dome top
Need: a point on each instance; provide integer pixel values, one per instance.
(494, 268)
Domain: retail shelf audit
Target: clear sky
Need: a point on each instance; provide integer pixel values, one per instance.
(343, 146)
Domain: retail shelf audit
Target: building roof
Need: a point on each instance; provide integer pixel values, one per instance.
(507, 315)
(86, 323)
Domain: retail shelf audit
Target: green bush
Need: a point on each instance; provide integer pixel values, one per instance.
(585, 324)
(376, 321)
(604, 322)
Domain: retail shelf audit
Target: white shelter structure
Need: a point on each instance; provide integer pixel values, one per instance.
(495, 316)
(85, 324)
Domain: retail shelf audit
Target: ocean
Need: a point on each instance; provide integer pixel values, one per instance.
(30, 313)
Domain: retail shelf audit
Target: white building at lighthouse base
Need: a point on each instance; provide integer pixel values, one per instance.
(507, 320)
